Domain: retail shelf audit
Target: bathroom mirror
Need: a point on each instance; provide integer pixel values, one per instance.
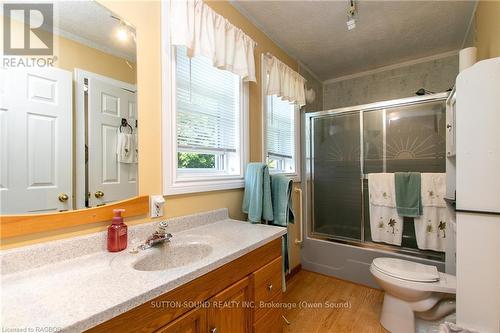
(68, 113)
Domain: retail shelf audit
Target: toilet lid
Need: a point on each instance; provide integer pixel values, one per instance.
(407, 270)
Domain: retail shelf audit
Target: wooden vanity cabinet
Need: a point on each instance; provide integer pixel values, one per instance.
(195, 321)
(230, 311)
(228, 300)
(227, 311)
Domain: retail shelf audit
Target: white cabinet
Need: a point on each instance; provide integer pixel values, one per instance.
(478, 137)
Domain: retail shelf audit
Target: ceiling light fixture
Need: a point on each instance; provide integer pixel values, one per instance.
(124, 31)
(351, 11)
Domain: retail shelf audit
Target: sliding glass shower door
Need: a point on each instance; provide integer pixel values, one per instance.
(337, 172)
(345, 145)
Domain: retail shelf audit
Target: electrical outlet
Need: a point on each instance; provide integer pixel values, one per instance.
(156, 203)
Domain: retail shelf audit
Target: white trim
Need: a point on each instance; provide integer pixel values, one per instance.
(172, 184)
(79, 76)
(393, 66)
(297, 158)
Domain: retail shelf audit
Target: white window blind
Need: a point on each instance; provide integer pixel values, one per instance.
(208, 105)
(280, 134)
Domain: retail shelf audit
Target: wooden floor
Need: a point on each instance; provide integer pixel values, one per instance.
(357, 307)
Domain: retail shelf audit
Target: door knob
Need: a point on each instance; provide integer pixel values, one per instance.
(63, 197)
(270, 287)
(214, 330)
(99, 194)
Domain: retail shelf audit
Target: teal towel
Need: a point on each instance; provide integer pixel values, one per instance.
(281, 193)
(408, 197)
(257, 198)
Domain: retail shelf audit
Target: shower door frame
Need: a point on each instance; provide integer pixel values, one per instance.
(308, 171)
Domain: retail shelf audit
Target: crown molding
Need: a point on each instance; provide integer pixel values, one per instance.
(307, 69)
(94, 45)
(393, 66)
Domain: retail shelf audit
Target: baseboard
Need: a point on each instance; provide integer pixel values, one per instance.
(293, 271)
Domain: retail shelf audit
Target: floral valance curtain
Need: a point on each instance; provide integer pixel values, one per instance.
(204, 32)
(284, 81)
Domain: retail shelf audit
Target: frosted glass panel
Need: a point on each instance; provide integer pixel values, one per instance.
(416, 138)
(337, 187)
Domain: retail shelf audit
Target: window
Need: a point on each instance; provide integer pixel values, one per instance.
(207, 126)
(280, 135)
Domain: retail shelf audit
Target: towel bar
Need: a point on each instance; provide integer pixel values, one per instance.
(301, 239)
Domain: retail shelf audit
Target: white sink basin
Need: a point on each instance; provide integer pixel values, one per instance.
(169, 255)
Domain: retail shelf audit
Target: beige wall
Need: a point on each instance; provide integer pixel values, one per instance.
(145, 16)
(71, 55)
(487, 24)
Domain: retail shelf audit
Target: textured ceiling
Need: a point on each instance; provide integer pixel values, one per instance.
(90, 23)
(387, 32)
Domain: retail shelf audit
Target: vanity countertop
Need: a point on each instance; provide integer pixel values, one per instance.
(70, 286)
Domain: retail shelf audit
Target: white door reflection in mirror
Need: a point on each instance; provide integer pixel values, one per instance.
(35, 131)
(109, 102)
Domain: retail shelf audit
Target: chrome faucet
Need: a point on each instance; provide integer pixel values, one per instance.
(159, 236)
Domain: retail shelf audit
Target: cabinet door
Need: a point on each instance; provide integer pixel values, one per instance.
(195, 321)
(230, 311)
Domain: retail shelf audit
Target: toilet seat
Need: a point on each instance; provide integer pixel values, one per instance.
(406, 270)
(446, 283)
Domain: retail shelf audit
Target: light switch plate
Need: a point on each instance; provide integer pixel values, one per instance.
(156, 205)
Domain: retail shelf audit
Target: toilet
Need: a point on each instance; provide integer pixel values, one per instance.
(412, 290)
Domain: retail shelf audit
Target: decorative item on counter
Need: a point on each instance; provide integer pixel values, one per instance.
(117, 232)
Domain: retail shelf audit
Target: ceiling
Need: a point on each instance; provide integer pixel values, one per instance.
(387, 32)
(89, 23)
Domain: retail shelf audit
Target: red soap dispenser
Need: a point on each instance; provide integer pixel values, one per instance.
(117, 232)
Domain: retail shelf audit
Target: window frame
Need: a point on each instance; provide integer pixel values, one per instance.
(179, 181)
(296, 176)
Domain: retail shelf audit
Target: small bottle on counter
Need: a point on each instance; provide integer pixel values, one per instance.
(117, 232)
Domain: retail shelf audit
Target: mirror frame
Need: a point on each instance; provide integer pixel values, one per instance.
(21, 225)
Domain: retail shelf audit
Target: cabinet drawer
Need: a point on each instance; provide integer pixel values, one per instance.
(267, 285)
(271, 322)
(195, 321)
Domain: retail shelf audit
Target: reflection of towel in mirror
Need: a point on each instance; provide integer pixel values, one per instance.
(136, 148)
(125, 148)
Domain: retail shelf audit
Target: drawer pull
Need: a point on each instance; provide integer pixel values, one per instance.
(270, 287)
(214, 330)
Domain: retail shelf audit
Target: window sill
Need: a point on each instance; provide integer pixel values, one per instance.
(294, 176)
(186, 187)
